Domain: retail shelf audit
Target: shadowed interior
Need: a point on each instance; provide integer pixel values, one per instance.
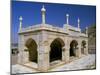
(83, 46)
(73, 46)
(32, 48)
(56, 50)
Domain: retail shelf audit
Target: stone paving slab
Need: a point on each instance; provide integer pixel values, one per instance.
(81, 63)
(31, 64)
(22, 69)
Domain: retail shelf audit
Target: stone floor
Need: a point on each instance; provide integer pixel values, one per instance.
(14, 58)
(77, 64)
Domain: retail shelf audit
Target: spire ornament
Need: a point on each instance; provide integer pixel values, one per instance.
(20, 22)
(78, 23)
(86, 30)
(43, 10)
(67, 19)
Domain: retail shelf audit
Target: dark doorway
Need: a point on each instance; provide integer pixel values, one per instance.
(83, 46)
(73, 46)
(32, 48)
(56, 50)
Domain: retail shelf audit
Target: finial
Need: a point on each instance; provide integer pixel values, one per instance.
(67, 18)
(20, 18)
(86, 31)
(20, 23)
(43, 6)
(43, 14)
(43, 9)
(67, 15)
(78, 23)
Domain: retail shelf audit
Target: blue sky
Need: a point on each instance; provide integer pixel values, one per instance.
(55, 15)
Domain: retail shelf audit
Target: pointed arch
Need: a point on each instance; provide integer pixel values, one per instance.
(83, 46)
(56, 49)
(32, 48)
(73, 46)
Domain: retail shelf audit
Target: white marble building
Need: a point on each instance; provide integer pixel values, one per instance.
(44, 43)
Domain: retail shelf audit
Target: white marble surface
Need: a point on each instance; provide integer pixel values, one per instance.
(21, 69)
(77, 64)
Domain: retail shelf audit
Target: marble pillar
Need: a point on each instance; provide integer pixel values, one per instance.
(43, 59)
(65, 54)
(78, 49)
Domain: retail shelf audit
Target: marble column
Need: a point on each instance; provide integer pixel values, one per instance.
(78, 49)
(65, 54)
(43, 59)
(20, 48)
(86, 49)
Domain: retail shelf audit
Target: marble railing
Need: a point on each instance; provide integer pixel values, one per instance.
(83, 34)
(52, 28)
(73, 28)
(40, 27)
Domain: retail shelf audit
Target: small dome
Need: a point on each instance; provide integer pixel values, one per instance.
(43, 9)
(78, 20)
(67, 15)
(20, 18)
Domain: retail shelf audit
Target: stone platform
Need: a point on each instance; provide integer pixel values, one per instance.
(77, 64)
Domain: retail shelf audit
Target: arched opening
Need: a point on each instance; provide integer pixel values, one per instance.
(83, 46)
(56, 49)
(73, 47)
(32, 48)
